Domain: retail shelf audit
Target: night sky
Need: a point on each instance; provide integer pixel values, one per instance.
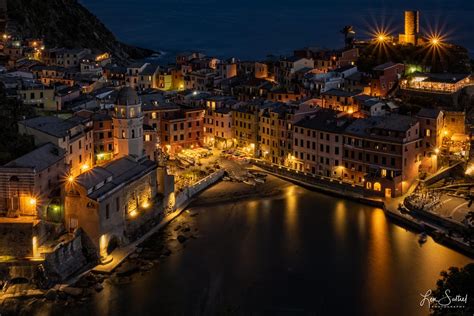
(255, 28)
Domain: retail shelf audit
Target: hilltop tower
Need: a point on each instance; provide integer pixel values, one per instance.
(128, 124)
(412, 28)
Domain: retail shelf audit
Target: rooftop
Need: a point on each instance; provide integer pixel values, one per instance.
(118, 173)
(385, 66)
(395, 122)
(50, 125)
(39, 159)
(340, 93)
(127, 96)
(428, 113)
(444, 78)
(325, 120)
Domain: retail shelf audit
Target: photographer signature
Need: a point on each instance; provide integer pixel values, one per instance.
(446, 301)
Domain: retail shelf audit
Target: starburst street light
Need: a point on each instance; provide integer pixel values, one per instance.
(381, 38)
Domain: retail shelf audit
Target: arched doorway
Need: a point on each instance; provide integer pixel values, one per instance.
(377, 186)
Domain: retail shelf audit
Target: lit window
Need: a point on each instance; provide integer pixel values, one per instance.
(428, 132)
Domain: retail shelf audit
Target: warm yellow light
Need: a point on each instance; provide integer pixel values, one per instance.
(133, 213)
(85, 167)
(445, 133)
(436, 150)
(350, 111)
(146, 204)
(70, 179)
(32, 201)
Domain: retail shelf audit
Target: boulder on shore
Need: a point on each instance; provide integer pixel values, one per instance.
(182, 238)
(73, 291)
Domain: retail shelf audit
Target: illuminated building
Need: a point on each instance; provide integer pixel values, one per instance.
(437, 83)
(27, 182)
(382, 153)
(384, 78)
(432, 133)
(317, 144)
(339, 100)
(127, 121)
(103, 138)
(38, 95)
(103, 200)
(412, 28)
(276, 128)
(73, 135)
(218, 122)
(245, 125)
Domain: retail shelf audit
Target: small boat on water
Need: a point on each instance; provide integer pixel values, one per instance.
(422, 239)
(259, 180)
(226, 179)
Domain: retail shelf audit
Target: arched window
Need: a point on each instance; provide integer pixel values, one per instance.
(377, 186)
(132, 112)
(123, 134)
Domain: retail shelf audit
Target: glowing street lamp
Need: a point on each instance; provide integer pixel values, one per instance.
(381, 38)
(32, 201)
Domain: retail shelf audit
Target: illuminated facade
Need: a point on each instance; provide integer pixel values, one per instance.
(382, 154)
(128, 124)
(412, 28)
(104, 199)
(437, 83)
(27, 182)
(317, 144)
(73, 135)
(276, 130)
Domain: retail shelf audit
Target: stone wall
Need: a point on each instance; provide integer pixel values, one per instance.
(183, 197)
(70, 257)
(16, 239)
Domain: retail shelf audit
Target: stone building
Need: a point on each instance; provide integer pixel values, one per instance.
(382, 153)
(128, 124)
(102, 200)
(317, 144)
(27, 183)
(73, 135)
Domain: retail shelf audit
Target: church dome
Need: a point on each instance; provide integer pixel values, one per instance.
(127, 96)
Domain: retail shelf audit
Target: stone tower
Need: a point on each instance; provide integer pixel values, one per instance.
(128, 124)
(412, 28)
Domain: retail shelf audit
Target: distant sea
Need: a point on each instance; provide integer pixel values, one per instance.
(253, 29)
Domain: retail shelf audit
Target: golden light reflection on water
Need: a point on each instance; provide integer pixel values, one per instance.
(291, 217)
(252, 212)
(361, 224)
(340, 220)
(379, 255)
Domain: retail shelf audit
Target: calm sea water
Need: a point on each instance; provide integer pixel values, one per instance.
(302, 253)
(256, 28)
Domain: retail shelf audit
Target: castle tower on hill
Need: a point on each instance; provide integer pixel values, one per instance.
(128, 124)
(412, 28)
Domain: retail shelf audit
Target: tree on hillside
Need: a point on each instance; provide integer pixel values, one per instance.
(455, 281)
(12, 144)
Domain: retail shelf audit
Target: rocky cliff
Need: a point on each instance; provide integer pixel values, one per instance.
(66, 23)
